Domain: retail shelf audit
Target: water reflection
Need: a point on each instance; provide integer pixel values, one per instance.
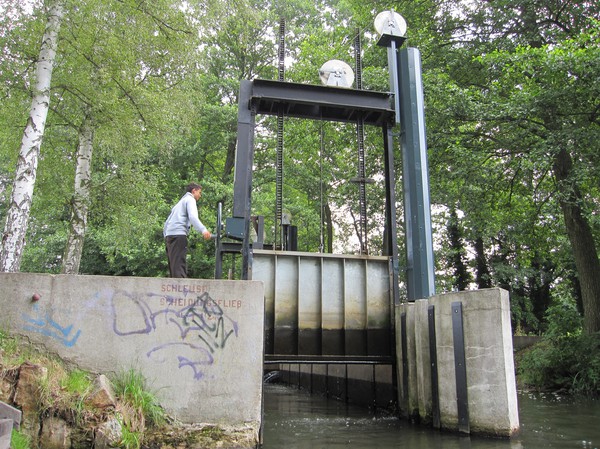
(294, 419)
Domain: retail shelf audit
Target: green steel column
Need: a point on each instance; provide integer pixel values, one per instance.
(417, 210)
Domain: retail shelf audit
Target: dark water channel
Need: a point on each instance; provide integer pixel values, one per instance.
(295, 419)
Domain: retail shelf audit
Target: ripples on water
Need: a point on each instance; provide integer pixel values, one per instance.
(294, 419)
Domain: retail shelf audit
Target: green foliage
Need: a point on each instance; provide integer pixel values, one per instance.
(62, 391)
(12, 352)
(8, 344)
(130, 439)
(563, 319)
(212, 432)
(20, 440)
(130, 387)
(76, 385)
(499, 111)
(77, 382)
(569, 363)
(565, 359)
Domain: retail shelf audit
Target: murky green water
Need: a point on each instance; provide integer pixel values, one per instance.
(294, 419)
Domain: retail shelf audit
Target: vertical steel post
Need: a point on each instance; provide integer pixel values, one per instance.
(244, 157)
(404, 345)
(392, 54)
(218, 250)
(390, 238)
(417, 209)
(435, 395)
(406, 85)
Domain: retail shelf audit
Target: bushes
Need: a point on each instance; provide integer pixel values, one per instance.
(565, 359)
(569, 363)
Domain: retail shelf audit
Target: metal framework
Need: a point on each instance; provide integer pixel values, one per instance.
(357, 106)
(316, 103)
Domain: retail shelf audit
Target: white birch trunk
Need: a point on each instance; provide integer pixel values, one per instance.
(81, 199)
(17, 217)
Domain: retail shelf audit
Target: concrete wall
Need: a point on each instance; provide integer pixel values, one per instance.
(199, 343)
(524, 341)
(490, 375)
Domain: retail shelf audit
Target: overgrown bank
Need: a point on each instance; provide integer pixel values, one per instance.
(66, 408)
(568, 363)
(566, 359)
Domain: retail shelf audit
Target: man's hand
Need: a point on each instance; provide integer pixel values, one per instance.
(206, 234)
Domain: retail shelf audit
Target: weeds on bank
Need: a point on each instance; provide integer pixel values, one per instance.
(569, 363)
(565, 359)
(63, 391)
(131, 439)
(76, 386)
(138, 407)
(213, 432)
(131, 388)
(19, 440)
(11, 352)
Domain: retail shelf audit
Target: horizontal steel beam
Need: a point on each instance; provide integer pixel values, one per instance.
(328, 359)
(321, 102)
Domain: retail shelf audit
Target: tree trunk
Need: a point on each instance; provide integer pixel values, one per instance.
(328, 228)
(81, 199)
(582, 241)
(482, 273)
(462, 277)
(17, 217)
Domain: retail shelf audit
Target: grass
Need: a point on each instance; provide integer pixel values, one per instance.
(77, 382)
(137, 406)
(11, 352)
(62, 392)
(19, 440)
(130, 387)
(213, 432)
(131, 440)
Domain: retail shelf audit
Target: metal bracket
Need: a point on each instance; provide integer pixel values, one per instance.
(404, 360)
(435, 393)
(235, 228)
(460, 367)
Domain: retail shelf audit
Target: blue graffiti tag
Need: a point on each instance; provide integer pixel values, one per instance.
(50, 328)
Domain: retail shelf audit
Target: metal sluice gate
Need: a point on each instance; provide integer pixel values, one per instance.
(325, 308)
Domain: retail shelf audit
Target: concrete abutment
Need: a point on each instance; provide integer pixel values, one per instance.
(485, 402)
(198, 343)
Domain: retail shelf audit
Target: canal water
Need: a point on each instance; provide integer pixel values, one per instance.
(295, 419)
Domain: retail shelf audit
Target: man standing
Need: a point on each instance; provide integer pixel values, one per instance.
(183, 215)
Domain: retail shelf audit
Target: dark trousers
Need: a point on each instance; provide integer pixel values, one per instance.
(176, 253)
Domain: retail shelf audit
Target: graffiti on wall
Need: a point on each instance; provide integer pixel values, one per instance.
(202, 327)
(193, 328)
(44, 324)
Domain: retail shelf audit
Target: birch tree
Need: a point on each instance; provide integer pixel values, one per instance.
(13, 238)
(132, 62)
(81, 199)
